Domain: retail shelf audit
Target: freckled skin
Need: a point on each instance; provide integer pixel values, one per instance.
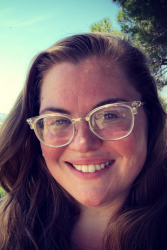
(77, 89)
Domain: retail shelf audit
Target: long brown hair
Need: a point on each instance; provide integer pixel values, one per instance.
(37, 213)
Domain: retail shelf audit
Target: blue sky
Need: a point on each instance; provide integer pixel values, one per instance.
(27, 27)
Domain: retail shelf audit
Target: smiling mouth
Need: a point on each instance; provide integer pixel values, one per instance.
(92, 168)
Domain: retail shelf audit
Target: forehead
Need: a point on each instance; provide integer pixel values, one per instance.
(85, 84)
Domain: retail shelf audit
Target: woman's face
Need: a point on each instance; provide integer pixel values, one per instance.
(76, 90)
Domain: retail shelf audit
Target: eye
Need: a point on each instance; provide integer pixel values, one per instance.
(61, 122)
(57, 123)
(110, 116)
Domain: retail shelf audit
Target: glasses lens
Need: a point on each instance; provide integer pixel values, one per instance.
(112, 123)
(54, 130)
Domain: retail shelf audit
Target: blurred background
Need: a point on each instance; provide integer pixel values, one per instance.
(27, 27)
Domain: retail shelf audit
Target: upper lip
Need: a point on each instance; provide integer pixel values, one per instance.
(89, 161)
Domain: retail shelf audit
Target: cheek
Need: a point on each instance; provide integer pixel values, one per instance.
(51, 154)
(52, 159)
(133, 149)
(138, 138)
(130, 150)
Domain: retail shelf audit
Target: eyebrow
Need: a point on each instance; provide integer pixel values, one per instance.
(55, 110)
(64, 111)
(110, 101)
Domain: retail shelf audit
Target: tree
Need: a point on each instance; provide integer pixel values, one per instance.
(105, 25)
(146, 22)
(164, 102)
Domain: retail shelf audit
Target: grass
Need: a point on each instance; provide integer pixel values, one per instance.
(2, 192)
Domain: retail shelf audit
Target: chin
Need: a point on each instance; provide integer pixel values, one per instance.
(93, 201)
(99, 199)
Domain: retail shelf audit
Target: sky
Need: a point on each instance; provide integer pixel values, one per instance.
(27, 27)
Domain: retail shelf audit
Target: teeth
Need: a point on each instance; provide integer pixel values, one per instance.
(91, 168)
(84, 168)
(78, 167)
(98, 167)
(102, 166)
(107, 163)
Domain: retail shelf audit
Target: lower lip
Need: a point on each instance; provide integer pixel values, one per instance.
(88, 175)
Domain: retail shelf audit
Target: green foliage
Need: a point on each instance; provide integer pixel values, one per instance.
(103, 26)
(2, 192)
(146, 22)
(164, 102)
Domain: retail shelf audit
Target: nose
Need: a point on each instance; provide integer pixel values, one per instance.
(84, 140)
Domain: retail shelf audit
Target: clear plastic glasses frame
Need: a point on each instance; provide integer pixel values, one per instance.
(130, 107)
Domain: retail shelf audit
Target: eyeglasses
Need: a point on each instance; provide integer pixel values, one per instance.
(109, 122)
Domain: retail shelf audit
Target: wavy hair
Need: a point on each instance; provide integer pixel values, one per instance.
(39, 214)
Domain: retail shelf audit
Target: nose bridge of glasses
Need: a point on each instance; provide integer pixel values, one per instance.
(81, 119)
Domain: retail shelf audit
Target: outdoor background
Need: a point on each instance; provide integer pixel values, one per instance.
(27, 27)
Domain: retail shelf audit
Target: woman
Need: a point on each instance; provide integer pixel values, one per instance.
(92, 174)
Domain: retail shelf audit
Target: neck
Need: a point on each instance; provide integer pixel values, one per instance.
(89, 229)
